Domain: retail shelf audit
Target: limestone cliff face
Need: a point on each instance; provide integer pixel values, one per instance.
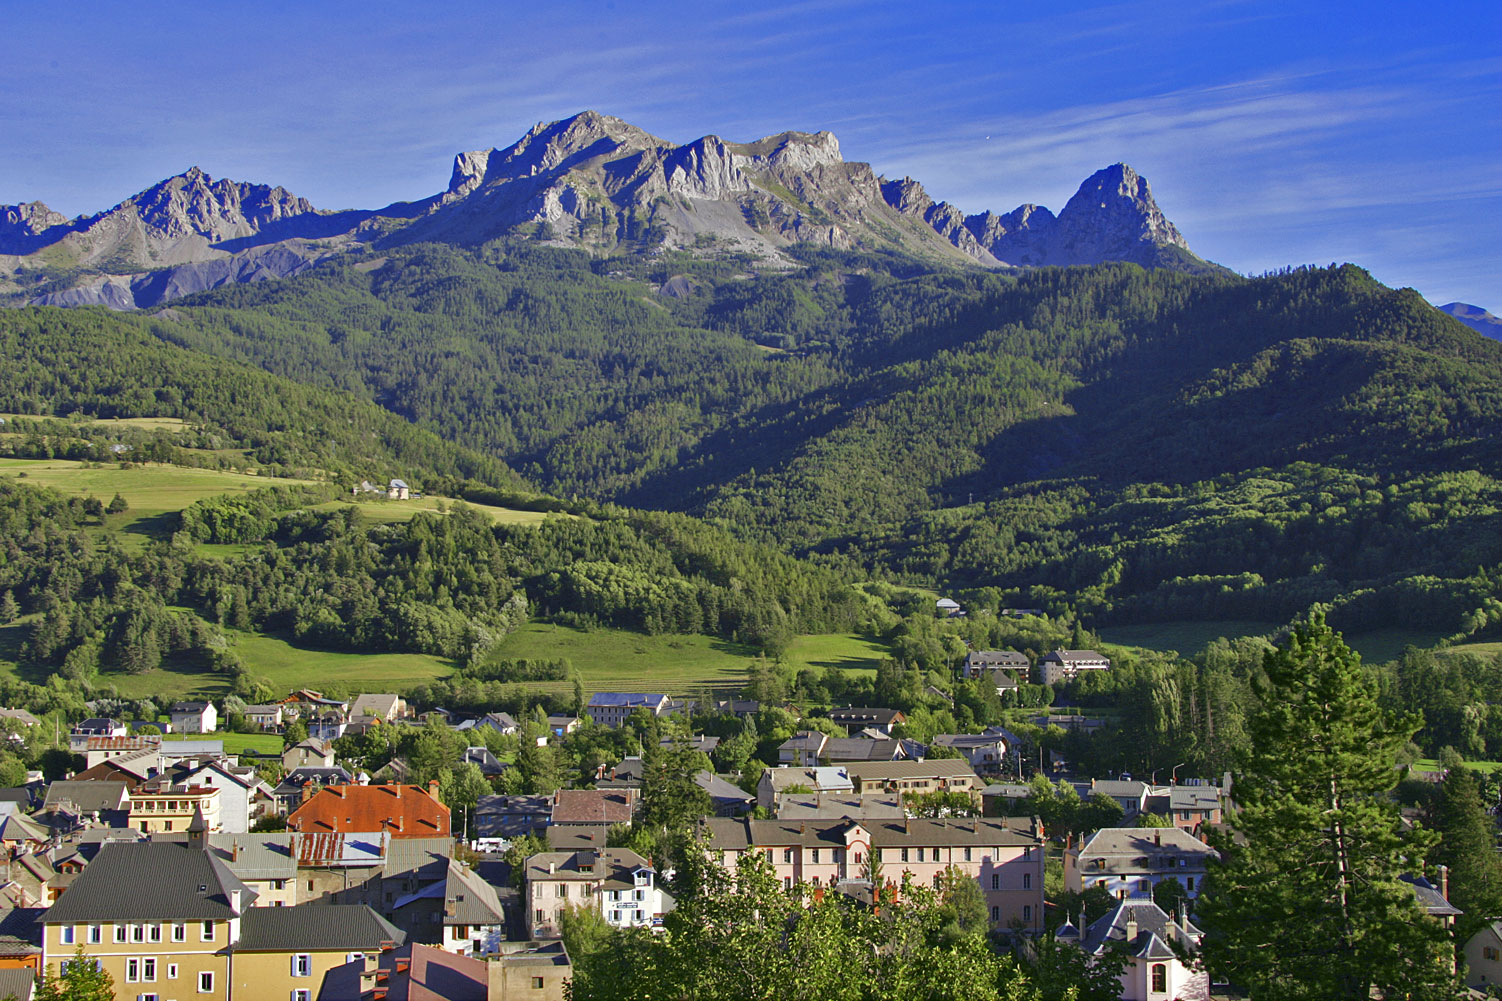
(592, 181)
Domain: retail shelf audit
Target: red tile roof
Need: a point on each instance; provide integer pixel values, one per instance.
(406, 811)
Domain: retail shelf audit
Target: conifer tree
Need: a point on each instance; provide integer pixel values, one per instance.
(1308, 902)
(1468, 845)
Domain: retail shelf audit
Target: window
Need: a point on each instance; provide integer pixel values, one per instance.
(96, 934)
(1189, 883)
(302, 994)
(1027, 912)
(171, 971)
(206, 982)
(967, 855)
(179, 932)
(816, 856)
(538, 917)
(302, 965)
(787, 882)
(153, 933)
(1160, 978)
(995, 914)
(904, 854)
(537, 983)
(615, 917)
(787, 856)
(138, 933)
(119, 933)
(563, 890)
(1027, 881)
(995, 881)
(132, 970)
(207, 934)
(1487, 952)
(147, 997)
(920, 854)
(148, 969)
(278, 884)
(67, 935)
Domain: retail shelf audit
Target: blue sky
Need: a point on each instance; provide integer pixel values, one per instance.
(1273, 133)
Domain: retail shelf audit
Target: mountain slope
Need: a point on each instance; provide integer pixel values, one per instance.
(1476, 318)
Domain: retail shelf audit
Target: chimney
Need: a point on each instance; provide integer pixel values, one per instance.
(433, 788)
(550, 868)
(234, 851)
(1157, 836)
(307, 790)
(1444, 881)
(1131, 930)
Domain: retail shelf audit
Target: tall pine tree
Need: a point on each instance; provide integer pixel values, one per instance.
(1307, 902)
(1468, 845)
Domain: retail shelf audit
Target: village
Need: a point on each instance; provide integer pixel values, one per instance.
(182, 869)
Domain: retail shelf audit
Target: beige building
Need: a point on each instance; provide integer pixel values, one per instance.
(165, 808)
(874, 778)
(167, 919)
(617, 882)
(1005, 855)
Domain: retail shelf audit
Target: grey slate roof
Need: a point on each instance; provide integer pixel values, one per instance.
(1430, 899)
(1154, 930)
(320, 928)
(88, 797)
(150, 881)
(17, 983)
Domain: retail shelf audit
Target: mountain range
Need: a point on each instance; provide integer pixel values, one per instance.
(590, 181)
(1476, 318)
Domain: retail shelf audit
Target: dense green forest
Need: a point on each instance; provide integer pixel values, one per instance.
(1127, 444)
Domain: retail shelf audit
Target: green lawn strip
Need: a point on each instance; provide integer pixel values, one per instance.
(1379, 646)
(614, 660)
(846, 651)
(237, 743)
(391, 511)
(1433, 765)
(287, 666)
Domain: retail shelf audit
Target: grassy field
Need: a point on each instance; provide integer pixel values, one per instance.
(389, 511)
(842, 650)
(173, 425)
(612, 660)
(1488, 650)
(237, 743)
(1187, 638)
(153, 492)
(1432, 765)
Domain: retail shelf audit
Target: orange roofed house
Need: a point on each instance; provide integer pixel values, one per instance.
(405, 811)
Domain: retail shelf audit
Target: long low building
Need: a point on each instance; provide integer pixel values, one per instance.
(1005, 855)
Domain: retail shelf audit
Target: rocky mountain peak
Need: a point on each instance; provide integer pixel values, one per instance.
(1111, 213)
(21, 225)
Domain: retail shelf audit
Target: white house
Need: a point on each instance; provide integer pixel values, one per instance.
(1148, 936)
(194, 717)
(1130, 861)
(617, 881)
(243, 797)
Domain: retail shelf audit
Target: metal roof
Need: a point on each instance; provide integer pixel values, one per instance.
(317, 928)
(150, 881)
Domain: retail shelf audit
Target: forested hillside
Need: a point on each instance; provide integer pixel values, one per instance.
(1134, 444)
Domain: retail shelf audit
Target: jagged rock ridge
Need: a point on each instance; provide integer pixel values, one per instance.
(592, 181)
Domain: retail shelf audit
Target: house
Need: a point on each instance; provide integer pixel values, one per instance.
(907, 777)
(617, 881)
(106, 802)
(385, 707)
(596, 809)
(1129, 794)
(301, 783)
(194, 717)
(729, 800)
(460, 913)
(412, 972)
(777, 782)
(243, 797)
(171, 918)
(802, 748)
(530, 971)
(1005, 855)
(1191, 807)
(1153, 944)
(398, 490)
(948, 608)
(159, 806)
(20, 834)
(490, 765)
(311, 753)
(981, 663)
(20, 947)
(1435, 900)
(1130, 861)
(1483, 958)
(1062, 666)
(263, 862)
(20, 717)
(984, 752)
(304, 701)
(739, 708)
(502, 723)
(287, 952)
(326, 725)
(94, 727)
(97, 749)
(367, 867)
(702, 743)
(857, 718)
(267, 717)
(508, 817)
(613, 708)
(562, 725)
(821, 806)
(403, 811)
